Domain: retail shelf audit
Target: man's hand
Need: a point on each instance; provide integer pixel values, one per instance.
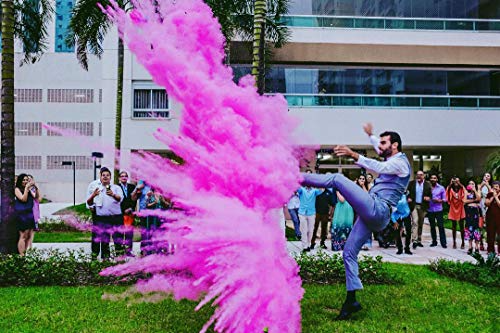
(409, 200)
(95, 193)
(345, 151)
(427, 198)
(368, 128)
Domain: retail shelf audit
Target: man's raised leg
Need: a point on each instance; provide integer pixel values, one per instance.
(362, 203)
(357, 238)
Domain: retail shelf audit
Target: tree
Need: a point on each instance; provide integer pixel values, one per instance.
(262, 24)
(493, 165)
(87, 30)
(248, 19)
(26, 20)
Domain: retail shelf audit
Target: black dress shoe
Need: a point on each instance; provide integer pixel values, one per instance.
(323, 246)
(306, 250)
(312, 246)
(433, 244)
(400, 251)
(420, 244)
(415, 245)
(348, 310)
(444, 246)
(407, 251)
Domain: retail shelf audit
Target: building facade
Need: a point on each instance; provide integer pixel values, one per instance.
(427, 69)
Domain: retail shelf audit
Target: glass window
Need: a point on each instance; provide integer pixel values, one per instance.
(486, 9)
(382, 81)
(63, 17)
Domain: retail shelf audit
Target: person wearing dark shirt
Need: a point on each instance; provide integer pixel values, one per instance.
(325, 205)
(493, 217)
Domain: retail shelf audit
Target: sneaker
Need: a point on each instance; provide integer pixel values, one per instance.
(364, 248)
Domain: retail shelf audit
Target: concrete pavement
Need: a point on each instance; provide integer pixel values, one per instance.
(421, 255)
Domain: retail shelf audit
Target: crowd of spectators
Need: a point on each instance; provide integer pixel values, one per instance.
(473, 208)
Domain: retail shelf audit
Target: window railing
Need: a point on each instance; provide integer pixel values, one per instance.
(393, 101)
(150, 114)
(391, 23)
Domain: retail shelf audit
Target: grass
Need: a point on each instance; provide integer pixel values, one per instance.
(424, 302)
(62, 237)
(80, 210)
(69, 237)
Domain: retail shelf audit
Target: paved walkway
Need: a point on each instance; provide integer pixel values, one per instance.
(421, 255)
(48, 209)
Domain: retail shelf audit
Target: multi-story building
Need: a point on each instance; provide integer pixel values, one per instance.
(427, 69)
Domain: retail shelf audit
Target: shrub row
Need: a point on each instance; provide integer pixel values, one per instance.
(483, 272)
(324, 268)
(53, 267)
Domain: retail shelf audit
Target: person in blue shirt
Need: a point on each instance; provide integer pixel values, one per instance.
(307, 213)
(402, 219)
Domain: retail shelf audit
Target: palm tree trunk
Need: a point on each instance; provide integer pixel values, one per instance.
(119, 102)
(259, 28)
(8, 232)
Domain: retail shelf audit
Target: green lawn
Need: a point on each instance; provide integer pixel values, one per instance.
(69, 237)
(424, 302)
(80, 210)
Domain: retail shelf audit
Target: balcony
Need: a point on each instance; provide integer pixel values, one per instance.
(392, 23)
(393, 101)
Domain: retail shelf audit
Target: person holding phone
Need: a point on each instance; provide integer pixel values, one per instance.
(106, 198)
(23, 210)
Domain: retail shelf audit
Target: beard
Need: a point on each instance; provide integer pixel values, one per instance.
(385, 153)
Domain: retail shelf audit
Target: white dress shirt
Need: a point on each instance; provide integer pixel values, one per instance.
(391, 166)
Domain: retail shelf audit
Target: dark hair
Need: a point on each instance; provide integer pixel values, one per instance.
(394, 137)
(434, 174)
(104, 169)
(19, 181)
(496, 182)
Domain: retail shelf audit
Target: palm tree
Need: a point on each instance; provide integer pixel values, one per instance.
(87, 30)
(259, 28)
(262, 23)
(26, 20)
(259, 21)
(493, 165)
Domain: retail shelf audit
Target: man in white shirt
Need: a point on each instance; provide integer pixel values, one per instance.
(374, 207)
(108, 218)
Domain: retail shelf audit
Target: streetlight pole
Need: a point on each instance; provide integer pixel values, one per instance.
(72, 163)
(95, 155)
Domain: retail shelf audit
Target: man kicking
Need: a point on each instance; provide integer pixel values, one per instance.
(374, 207)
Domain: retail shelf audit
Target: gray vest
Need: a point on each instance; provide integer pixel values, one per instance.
(390, 188)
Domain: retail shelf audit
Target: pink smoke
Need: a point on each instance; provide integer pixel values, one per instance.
(239, 168)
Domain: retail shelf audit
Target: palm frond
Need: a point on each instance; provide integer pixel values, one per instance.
(32, 18)
(87, 29)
